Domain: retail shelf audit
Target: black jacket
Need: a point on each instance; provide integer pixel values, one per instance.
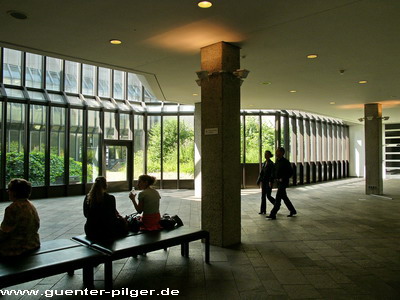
(283, 170)
(267, 172)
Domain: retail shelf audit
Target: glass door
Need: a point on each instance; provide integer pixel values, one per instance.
(118, 162)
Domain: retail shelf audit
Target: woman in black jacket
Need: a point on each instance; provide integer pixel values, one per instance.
(266, 178)
(103, 220)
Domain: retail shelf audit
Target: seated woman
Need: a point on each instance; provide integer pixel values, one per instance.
(19, 229)
(103, 220)
(149, 203)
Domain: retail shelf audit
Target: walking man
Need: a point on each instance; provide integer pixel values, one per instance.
(283, 171)
(266, 179)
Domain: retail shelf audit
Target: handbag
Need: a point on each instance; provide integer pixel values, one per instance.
(170, 222)
(134, 222)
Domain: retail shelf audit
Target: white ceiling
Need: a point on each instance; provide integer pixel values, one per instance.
(163, 39)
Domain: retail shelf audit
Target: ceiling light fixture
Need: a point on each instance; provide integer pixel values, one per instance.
(293, 91)
(266, 83)
(311, 56)
(362, 82)
(17, 15)
(332, 102)
(115, 42)
(204, 4)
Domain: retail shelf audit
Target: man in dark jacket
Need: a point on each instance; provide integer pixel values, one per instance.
(283, 171)
(266, 179)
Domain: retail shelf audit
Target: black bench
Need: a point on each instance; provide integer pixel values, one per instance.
(136, 244)
(53, 257)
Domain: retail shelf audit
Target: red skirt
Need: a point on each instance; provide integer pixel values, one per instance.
(151, 222)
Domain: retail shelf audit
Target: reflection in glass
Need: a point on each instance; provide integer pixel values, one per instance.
(268, 135)
(125, 132)
(57, 146)
(116, 162)
(53, 73)
(138, 147)
(186, 147)
(134, 88)
(75, 146)
(72, 70)
(110, 129)
(170, 147)
(34, 70)
(88, 80)
(104, 82)
(154, 146)
(37, 130)
(12, 63)
(93, 147)
(252, 139)
(15, 136)
(119, 84)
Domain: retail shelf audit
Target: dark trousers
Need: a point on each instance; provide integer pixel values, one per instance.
(266, 193)
(281, 195)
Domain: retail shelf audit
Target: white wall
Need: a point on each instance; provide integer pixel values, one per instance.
(357, 152)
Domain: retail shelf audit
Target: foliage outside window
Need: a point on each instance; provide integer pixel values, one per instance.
(186, 147)
(268, 135)
(138, 147)
(57, 145)
(154, 146)
(37, 144)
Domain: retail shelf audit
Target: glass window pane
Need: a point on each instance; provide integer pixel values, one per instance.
(154, 146)
(38, 96)
(37, 131)
(15, 134)
(119, 84)
(116, 162)
(34, 70)
(75, 100)
(88, 80)
(72, 73)
(110, 129)
(92, 102)
(104, 82)
(134, 88)
(241, 139)
(12, 67)
(138, 146)
(267, 134)
(15, 93)
(125, 132)
(75, 146)
(53, 73)
(93, 147)
(170, 147)
(252, 138)
(56, 98)
(57, 146)
(186, 150)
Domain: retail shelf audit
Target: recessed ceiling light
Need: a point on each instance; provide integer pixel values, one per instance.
(332, 103)
(266, 83)
(312, 56)
(115, 42)
(195, 94)
(17, 15)
(293, 91)
(204, 4)
(362, 81)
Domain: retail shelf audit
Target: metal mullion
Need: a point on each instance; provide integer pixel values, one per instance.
(27, 139)
(178, 152)
(277, 130)
(3, 145)
(162, 152)
(47, 149)
(84, 147)
(260, 144)
(294, 139)
(2, 63)
(23, 69)
(146, 140)
(244, 149)
(66, 149)
(101, 144)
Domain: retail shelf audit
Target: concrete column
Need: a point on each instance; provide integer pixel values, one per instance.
(220, 149)
(373, 148)
(197, 149)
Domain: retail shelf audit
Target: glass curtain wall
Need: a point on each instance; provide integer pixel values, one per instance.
(125, 132)
(15, 141)
(72, 76)
(119, 85)
(76, 146)
(93, 145)
(53, 73)
(110, 127)
(268, 135)
(104, 88)
(34, 71)
(170, 147)
(37, 131)
(57, 146)
(186, 147)
(252, 139)
(12, 67)
(88, 80)
(138, 146)
(154, 146)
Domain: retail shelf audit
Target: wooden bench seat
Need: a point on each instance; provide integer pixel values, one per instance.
(53, 257)
(135, 244)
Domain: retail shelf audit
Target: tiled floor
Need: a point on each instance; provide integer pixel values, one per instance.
(342, 245)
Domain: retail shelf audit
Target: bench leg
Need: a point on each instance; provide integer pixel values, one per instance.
(207, 249)
(108, 279)
(187, 250)
(88, 277)
(71, 272)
